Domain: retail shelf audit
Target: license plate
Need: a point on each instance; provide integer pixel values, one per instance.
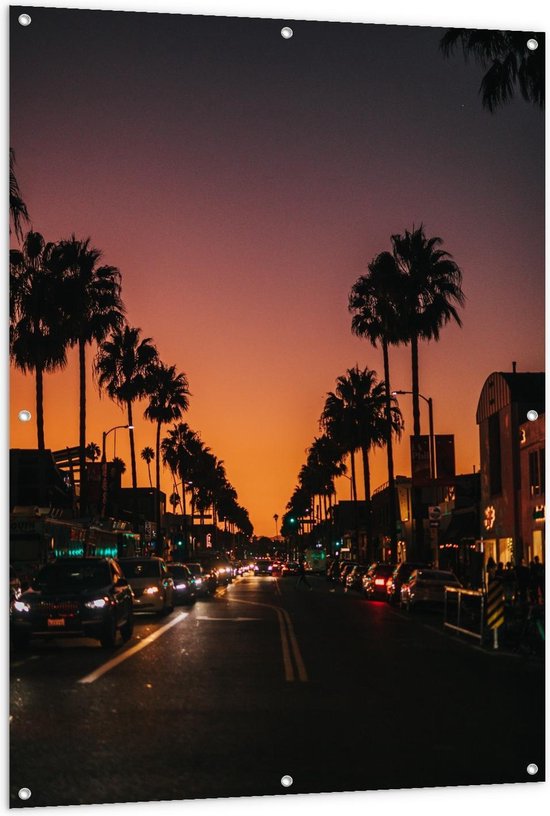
(56, 621)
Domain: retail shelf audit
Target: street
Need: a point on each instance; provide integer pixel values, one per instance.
(265, 679)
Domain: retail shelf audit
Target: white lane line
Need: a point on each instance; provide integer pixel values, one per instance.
(111, 664)
(287, 662)
(206, 617)
(277, 587)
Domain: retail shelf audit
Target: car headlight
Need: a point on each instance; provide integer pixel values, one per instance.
(181, 586)
(152, 590)
(21, 606)
(97, 603)
(269, 569)
(198, 581)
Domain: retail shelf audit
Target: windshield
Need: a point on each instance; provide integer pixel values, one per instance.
(74, 576)
(195, 569)
(140, 569)
(179, 572)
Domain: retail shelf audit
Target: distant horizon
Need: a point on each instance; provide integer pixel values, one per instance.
(242, 183)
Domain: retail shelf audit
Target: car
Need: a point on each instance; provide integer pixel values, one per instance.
(215, 567)
(345, 568)
(264, 566)
(354, 577)
(151, 583)
(76, 597)
(401, 574)
(332, 570)
(375, 581)
(15, 585)
(205, 582)
(184, 583)
(290, 568)
(427, 587)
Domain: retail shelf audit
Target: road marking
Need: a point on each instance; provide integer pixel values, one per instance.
(277, 587)
(111, 664)
(205, 617)
(289, 643)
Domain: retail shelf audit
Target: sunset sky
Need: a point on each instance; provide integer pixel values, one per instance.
(241, 183)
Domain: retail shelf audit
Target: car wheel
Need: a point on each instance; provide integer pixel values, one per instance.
(127, 629)
(108, 636)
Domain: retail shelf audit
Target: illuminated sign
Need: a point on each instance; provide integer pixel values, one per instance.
(489, 517)
(538, 512)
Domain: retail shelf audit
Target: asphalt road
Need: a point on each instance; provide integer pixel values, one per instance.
(263, 680)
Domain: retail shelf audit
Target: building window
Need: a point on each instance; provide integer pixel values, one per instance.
(495, 464)
(535, 487)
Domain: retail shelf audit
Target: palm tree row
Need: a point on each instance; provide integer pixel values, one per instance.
(408, 295)
(353, 420)
(202, 474)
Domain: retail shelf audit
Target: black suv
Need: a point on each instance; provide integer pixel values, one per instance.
(86, 597)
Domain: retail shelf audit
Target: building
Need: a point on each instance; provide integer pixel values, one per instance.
(533, 505)
(380, 502)
(501, 415)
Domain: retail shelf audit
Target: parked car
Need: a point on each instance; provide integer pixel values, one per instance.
(345, 569)
(401, 574)
(333, 570)
(354, 577)
(290, 568)
(15, 585)
(205, 581)
(375, 581)
(215, 567)
(264, 566)
(184, 583)
(427, 587)
(78, 597)
(151, 583)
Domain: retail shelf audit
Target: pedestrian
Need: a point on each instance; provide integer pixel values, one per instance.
(490, 568)
(302, 575)
(509, 583)
(523, 578)
(537, 580)
(499, 573)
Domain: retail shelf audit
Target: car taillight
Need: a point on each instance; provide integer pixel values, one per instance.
(389, 583)
(379, 581)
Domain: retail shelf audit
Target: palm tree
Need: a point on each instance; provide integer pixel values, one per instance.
(148, 454)
(94, 308)
(376, 304)
(508, 63)
(431, 284)
(119, 465)
(179, 448)
(38, 337)
(355, 417)
(175, 501)
(168, 398)
(18, 208)
(92, 451)
(122, 364)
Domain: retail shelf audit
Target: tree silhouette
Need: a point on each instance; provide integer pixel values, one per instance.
(38, 336)
(93, 307)
(92, 451)
(508, 63)
(18, 208)
(148, 454)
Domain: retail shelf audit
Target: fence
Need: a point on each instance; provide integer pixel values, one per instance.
(465, 611)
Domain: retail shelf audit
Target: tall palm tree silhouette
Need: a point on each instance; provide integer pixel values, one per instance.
(508, 63)
(376, 304)
(122, 366)
(179, 449)
(168, 394)
(38, 336)
(355, 416)
(18, 208)
(148, 454)
(94, 308)
(431, 285)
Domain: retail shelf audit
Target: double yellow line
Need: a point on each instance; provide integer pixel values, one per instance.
(292, 658)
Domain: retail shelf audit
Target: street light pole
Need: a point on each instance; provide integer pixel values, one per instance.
(104, 465)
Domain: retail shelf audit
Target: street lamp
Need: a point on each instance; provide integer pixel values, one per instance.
(106, 434)
(431, 423)
(104, 465)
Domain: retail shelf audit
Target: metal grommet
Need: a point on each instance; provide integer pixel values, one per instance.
(25, 793)
(532, 769)
(532, 44)
(24, 20)
(286, 33)
(286, 781)
(532, 415)
(24, 415)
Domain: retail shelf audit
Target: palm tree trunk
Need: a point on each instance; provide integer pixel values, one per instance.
(389, 452)
(355, 504)
(415, 385)
(149, 472)
(40, 407)
(417, 491)
(157, 498)
(132, 446)
(184, 510)
(368, 508)
(82, 428)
